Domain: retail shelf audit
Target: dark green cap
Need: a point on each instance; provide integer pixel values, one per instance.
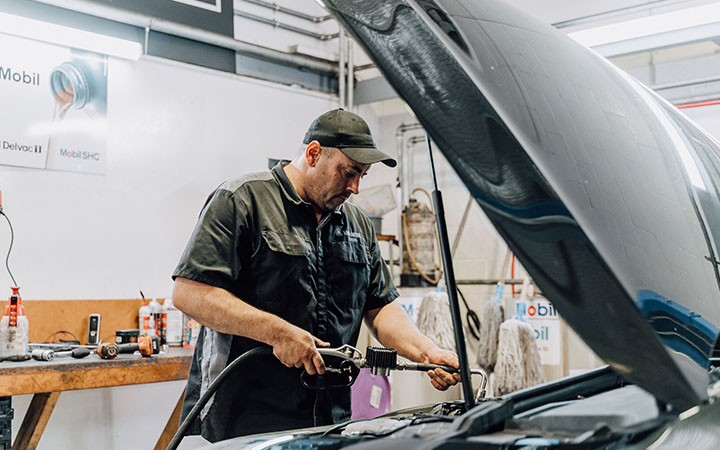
(350, 134)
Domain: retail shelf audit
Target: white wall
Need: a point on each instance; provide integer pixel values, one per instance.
(175, 133)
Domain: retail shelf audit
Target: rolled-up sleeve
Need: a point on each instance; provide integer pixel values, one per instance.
(212, 255)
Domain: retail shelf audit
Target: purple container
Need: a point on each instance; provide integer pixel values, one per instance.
(370, 396)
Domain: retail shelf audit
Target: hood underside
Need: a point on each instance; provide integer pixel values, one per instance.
(607, 194)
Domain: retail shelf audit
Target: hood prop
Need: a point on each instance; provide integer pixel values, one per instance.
(451, 286)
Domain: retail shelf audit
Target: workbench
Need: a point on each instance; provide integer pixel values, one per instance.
(47, 379)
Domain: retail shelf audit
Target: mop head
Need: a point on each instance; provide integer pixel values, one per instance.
(434, 320)
(491, 317)
(518, 360)
(533, 366)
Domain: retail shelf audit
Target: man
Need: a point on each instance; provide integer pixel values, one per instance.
(279, 259)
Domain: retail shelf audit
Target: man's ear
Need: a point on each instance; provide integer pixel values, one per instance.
(312, 153)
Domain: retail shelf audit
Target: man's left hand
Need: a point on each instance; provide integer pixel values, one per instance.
(440, 379)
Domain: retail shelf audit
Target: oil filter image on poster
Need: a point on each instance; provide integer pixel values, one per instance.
(54, 107)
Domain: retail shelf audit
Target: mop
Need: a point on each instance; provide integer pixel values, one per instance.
(492, 315)
(518, 360)
(434, 320)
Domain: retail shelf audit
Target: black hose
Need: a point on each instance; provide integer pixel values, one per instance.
(214, 386)
(12, 239)
(472, 318)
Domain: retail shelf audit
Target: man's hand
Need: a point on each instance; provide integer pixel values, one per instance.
(440, 379)
(295, 347)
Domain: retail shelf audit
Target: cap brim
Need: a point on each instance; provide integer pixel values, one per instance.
(368, 155)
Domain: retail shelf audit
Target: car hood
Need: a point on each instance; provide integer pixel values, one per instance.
(606, 193)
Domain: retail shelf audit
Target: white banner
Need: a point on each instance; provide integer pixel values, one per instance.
(54, 107)
(411, 305)
(542, 316)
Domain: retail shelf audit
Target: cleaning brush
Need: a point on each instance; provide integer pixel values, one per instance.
(434, 320)
(492, 315)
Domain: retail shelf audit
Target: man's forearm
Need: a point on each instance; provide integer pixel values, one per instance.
(220, 310)
(394, 328)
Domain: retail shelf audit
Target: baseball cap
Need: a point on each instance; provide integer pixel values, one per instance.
(350, 134)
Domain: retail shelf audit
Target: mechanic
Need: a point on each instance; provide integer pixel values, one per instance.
(279, 258)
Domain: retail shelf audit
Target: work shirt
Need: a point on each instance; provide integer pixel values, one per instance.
(257, 239)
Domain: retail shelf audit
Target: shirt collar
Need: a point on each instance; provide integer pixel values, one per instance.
(289, 190)
(287, 187)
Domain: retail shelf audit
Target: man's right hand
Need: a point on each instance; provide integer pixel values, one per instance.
(295, 347)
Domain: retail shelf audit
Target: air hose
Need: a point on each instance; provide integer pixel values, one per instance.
(214, 386)
(345, 361)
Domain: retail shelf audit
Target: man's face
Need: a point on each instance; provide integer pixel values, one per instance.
(334, 178)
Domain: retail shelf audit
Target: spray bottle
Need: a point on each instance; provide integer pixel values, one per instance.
(14, 327)
(156, 312)
(174, 328)
(146, 324)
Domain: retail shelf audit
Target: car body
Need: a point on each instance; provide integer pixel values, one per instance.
(607, 194)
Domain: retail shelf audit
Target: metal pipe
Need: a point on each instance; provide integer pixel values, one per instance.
(365, 67)
(113, 13)
(400, 134)
(687, 83)
(490, 281)
(616, 13)
(699, 104)
(461, 228)
(341, 68)
(401, 179)
(411, 161)
(350, 74)
(284, 26)
(292, 12)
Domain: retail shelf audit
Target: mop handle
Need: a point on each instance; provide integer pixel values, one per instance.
(501, 281)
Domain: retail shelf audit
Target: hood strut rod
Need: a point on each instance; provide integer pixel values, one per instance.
(451, 287)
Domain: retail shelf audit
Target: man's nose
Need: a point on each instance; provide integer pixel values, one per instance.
(354, 185)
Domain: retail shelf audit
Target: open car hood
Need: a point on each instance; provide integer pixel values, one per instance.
(606, 193)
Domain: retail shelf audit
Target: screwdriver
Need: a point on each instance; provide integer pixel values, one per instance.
(48, 355)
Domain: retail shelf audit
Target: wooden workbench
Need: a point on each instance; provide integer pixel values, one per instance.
(47, 379)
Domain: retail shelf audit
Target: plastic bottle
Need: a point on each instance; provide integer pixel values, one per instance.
(174, 323)
(14, 327)
(156, 312)
(191, 330)
(163, 323)
(146, 323)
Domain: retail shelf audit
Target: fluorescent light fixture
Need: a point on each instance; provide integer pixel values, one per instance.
(648, 26)
(69, 37)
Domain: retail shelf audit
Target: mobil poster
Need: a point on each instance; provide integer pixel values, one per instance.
(543, 317)
(54, 107)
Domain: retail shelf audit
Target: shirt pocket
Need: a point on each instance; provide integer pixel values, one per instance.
(287, 243)
(351, 274)
(280, 277)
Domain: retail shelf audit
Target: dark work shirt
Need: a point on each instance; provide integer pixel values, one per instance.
(257, 239)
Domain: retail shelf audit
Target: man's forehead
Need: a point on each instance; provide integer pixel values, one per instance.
(347, 161)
